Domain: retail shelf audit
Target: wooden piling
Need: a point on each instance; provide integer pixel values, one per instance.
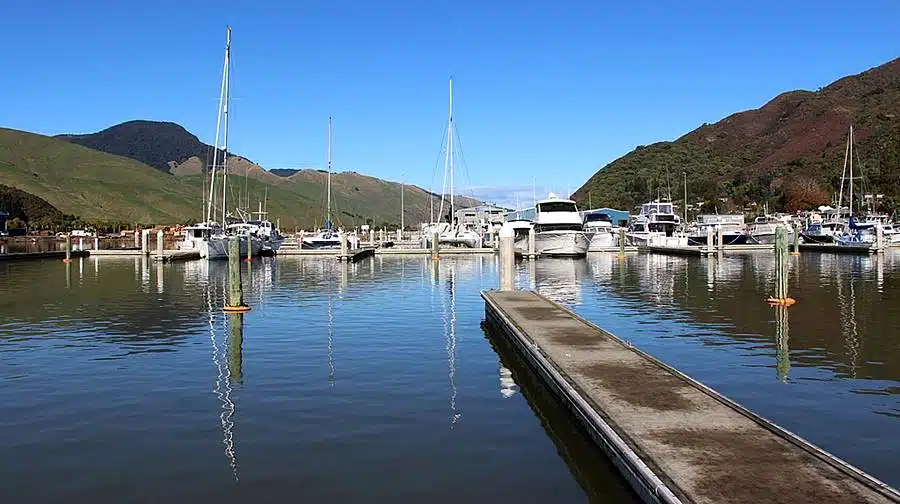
(720, 241)
(507, 258)
(532, 254)
(145, 238)
(80, 244)
(97, 242)
(235, 302)
(435, 244)
(68, 258)
(879, 237)
(137, 238)
(781, 296)
(622, 243)
(249, 249)
(782, 349)
(796, 236)
(160, 244)
(709, 239)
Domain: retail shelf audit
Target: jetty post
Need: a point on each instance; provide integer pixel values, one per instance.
(435, 244)
(68, 258)
(531, 246)
(709, 239)
(97, 241)
(80, 243)
(145, 241)
(249, 250)
(507, 258)
(235, 301)
(345, 256)
(300, 240)
(796, 230)
(399, 235)
(781, 296)
(160, 237)
(879, 237)
(720, 241)
(137, 238)
(621, 243)
(371, 237)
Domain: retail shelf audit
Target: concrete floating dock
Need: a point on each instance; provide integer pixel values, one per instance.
(837, 249)
(703, 250)
(442, 251)
(674, 439)
(22, 256)
(356, 255)
(605, 250)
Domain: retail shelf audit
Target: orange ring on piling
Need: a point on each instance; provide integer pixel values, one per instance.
(247, 260)
(781, 301)
(236, 309)
(795, 254)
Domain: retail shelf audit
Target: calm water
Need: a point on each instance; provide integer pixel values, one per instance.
(123, 381)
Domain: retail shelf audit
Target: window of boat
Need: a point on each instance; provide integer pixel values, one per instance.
(556, 227)
(557, 206)
(665, 208)
(198, 233)
(594, 217)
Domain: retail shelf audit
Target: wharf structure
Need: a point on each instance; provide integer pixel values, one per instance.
(673, 439)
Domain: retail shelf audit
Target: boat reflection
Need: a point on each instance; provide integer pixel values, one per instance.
(559, 279)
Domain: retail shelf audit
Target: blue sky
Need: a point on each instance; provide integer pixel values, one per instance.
(544, 91)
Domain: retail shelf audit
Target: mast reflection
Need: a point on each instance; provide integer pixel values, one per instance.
(228, 364)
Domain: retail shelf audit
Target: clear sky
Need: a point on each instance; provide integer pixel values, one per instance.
(549, 90)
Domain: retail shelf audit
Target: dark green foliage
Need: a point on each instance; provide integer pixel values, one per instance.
(788, 153)
(150, 142)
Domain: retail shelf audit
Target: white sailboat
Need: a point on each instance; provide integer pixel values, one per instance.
(327, 238)
(450, 232)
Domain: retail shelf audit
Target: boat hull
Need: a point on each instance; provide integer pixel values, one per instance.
(821, 239)
(216, 247)
(603, 240)
(557, 243)
(728, 238)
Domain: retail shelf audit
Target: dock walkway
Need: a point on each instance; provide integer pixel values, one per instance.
(674, 439)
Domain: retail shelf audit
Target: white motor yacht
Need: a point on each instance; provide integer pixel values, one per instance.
(558, 229)
(656, 220)
(606, 234)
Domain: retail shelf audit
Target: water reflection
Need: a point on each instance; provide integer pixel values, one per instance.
(782, 339)
(228, 362)
(559, 279)
(591, 468)
(448, 314)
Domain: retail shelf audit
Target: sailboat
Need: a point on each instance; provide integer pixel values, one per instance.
(209, 237)
(327, 238)
(450, 232)
(856, 232)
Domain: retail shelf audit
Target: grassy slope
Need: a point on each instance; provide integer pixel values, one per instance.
(89, 183)
(99, 186)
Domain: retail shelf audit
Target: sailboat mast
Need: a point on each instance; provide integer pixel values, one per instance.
(225, 117)
(450, 149)
(851, 170)
(328, 184)
(215, 163)
(402, 190)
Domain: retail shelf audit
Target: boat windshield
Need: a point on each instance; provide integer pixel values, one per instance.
(557, 206)
(596, 217)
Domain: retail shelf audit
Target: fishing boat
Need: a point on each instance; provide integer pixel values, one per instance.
(558, 229)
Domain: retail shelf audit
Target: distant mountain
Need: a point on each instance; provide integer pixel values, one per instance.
(158, 144)
(106, 188)
(788, 153)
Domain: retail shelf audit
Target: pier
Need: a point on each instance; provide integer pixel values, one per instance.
(673, 439)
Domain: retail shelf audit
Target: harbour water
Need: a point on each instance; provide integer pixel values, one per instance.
(122, 380)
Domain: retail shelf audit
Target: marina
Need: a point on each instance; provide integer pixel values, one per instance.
(694, 303)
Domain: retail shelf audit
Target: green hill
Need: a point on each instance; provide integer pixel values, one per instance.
(108, 189)
(788, 153)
